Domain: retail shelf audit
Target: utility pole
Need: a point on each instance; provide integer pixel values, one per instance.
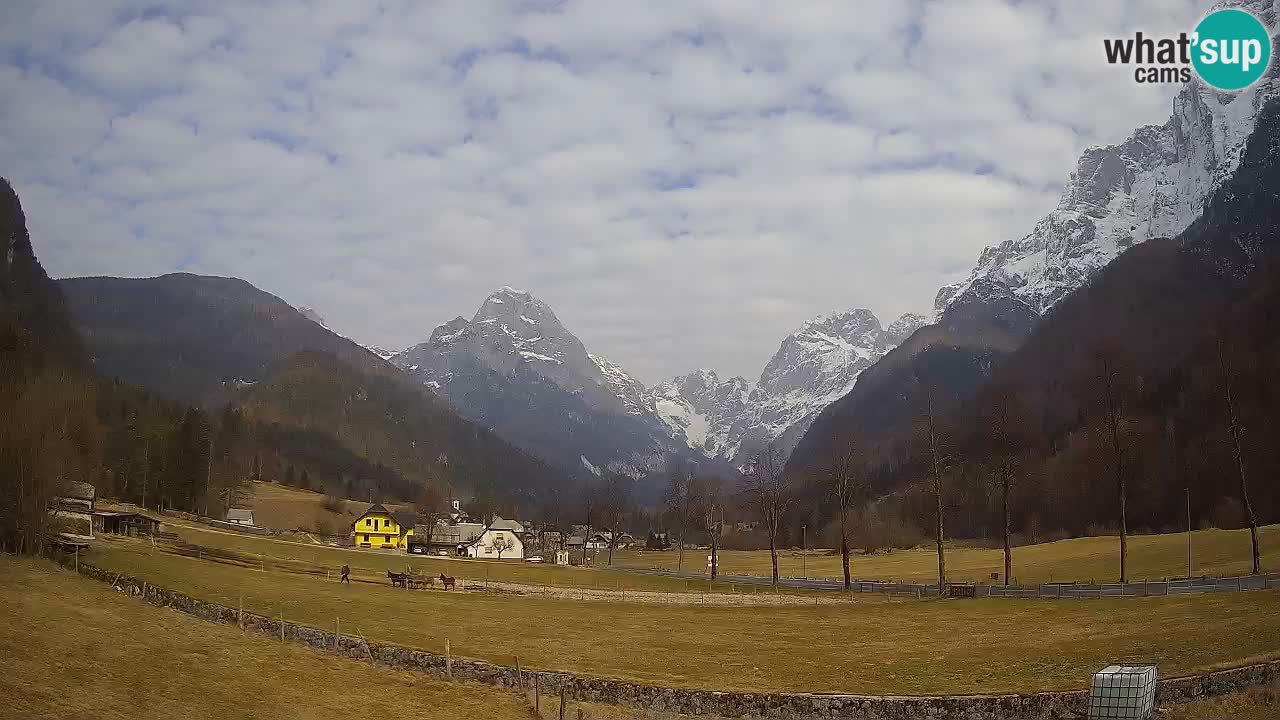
(1188, 492)
(804, 551)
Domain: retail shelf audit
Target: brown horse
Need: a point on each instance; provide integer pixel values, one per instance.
(448, 582)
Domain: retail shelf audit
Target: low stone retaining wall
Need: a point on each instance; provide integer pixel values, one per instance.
(1033, 706)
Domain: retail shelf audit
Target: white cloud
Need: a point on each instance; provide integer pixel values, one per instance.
(685, 182)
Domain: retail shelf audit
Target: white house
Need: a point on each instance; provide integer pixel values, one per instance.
(500, 540)
(240, 516)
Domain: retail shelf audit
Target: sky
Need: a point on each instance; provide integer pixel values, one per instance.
(683, 182)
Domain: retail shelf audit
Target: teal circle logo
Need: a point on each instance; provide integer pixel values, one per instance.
(1232, 49)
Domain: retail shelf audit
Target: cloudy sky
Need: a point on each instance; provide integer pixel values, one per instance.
(683, 182)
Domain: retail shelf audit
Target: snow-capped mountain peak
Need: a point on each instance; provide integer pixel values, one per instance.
(1152, 185)
(515, 368)
(815, 365)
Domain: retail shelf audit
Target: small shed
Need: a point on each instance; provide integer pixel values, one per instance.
(123, 522)
(72, 509)
(240, 516)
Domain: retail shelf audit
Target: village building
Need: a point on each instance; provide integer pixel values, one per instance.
(125, 522)
(240, 516)
(72, 510)
(454, 537)
(601, 540)
(378, 527)
(499, 540)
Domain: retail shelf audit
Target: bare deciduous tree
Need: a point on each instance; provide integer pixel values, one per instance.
(846, 484)
(680, 504)
(1006, 434)
(49, 436)
(707, 498)
(615, 502)
(931, 443)
(1113, 386)
(501, 544)
(1237, 431)
(770, 491)
(429, 506)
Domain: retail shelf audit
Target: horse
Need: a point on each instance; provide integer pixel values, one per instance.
(448, 582)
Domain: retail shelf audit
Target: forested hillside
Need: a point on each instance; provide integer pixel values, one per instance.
(1156, 377)
(195, 338)
(405, 436)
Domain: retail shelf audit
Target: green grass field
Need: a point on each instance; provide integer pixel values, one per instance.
(1213, 552)
(867, 644)
(299, 555)
(71, 648)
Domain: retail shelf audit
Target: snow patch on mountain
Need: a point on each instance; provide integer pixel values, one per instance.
(1154, 184)
(630, 391)
(515, 368)
(313, 316)
(814, 366)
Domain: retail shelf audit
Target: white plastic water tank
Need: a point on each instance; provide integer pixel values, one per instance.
(1123, 692)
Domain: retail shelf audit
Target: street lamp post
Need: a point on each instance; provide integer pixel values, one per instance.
(1188, 492)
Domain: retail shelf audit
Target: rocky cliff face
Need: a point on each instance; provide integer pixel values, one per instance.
(514, 367)
(814, 366)
(1152, 185)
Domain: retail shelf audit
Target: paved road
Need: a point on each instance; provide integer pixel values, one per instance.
(1049, 590)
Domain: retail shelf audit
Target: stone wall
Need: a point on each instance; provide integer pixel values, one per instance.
(1035, 706)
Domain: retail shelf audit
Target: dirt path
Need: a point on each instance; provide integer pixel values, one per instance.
(760, 599)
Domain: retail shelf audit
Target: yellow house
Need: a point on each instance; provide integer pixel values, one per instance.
(378, 527)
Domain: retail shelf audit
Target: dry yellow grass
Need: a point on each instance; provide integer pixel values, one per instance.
(284, 508)
(866, 645)
(71, 648)
(1214, 552)
(1256, 704)
(300, 554)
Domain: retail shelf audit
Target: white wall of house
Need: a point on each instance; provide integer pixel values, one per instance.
(483, 547)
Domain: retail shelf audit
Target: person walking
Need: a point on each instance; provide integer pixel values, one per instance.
(346, 574)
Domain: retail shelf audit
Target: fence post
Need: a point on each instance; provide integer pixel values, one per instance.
(537, 695)
(519, 675)
(337, 632)
(448, 660)
(240, 613)
(562, 701)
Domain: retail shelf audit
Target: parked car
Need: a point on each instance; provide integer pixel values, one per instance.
(534, 559)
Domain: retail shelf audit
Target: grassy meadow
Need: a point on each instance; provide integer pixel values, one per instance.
(301, 555)
(71, 648)
(280, 507)
(867, 644)
(1213, 552)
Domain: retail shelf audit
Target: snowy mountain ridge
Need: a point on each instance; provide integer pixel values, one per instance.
(514, 367)
(1154, 184)
(817, 364)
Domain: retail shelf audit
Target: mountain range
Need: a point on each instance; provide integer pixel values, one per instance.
(514, 368)
(1153, 185)
(514, 371)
